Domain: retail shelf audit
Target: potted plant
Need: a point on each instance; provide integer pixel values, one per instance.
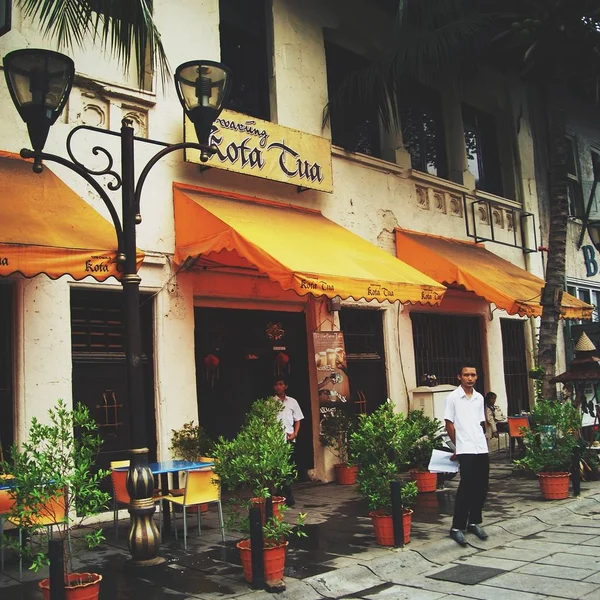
(550, 441)
(336, 428)
(420, 453)
(254, 466)
(55, 477)
(276, 531)
(191, 442)
(380, 447)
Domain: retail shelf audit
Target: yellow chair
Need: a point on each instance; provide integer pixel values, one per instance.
(121, 495)
(44, 515)
(6, 504)
(201, 487)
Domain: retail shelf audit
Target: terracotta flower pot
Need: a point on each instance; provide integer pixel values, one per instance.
(426, 481)
(273, 559)
(345, 474)
(80, 586)
(554, 486)
(384, 526)
(277, 501)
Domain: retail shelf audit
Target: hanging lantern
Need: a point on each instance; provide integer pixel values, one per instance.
(282, 363)
(211, 368)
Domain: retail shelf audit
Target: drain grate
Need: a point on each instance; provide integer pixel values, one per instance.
(466, 574)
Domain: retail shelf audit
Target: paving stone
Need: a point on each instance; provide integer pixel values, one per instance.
(595, 578)
(492, 562)
(397, 567)
(343, 581)
(558, 537)
(511, 553)
(593, 542)
(445, 550)
(541, 545)
(559, 572)
(576, 529)
(523, 526)
(567, 559)
(549, 586)
(295, 589)
(397, 592)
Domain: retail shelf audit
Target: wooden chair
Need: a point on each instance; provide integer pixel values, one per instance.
(121, 495)
(515, 426)
(201, 487)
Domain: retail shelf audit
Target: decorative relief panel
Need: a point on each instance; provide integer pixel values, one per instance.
(139, 120)
(439, 201)
(510, 220)
(455, 206)
(422, 197)
(93, 110)
(498, 218)
(482, 213)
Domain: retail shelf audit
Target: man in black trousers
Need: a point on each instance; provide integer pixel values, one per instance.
(465, 418)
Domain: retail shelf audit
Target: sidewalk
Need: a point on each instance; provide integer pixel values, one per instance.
(539, 549)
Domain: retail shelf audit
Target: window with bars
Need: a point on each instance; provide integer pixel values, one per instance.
(97, 323)
(442, 342)
(514, 356)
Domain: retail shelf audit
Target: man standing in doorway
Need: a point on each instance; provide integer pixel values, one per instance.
(465, 417)
(290, 416)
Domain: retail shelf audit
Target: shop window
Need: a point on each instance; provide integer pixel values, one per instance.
(363, 338)
(483, 157)
(574, 191)
(441, 342)
(6, 370)
(588, 295)
(354, 126)
(5, 16)
(423, 129)
(516, 378)
(243, 31)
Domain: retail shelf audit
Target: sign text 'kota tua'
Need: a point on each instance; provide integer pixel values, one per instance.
(266, 150)
(4, 261)
(97, 264)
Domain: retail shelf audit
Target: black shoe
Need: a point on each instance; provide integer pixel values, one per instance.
(458, 536)
(478, 531)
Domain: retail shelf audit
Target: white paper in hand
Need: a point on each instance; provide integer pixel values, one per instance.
(440, 462)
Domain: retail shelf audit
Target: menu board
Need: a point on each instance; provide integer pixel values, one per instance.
(332, 376)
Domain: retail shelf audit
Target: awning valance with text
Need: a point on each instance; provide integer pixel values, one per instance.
(469, 266)
(298, 248)
(45, 227)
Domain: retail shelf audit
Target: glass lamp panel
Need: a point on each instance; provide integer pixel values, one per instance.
(202, 84)
(41, 79)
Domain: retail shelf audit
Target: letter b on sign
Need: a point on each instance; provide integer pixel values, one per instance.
(589, 257)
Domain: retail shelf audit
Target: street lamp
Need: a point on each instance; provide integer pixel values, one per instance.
(39, 82)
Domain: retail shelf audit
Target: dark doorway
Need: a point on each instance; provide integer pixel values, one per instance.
(99, 370)
(515, 365)
(246, 367)
(363, 338)
(442, 342)
(6, 372)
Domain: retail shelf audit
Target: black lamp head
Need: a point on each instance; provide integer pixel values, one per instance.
(39, 82)
(203, 87)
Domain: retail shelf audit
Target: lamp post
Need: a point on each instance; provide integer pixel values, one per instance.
(39, 82)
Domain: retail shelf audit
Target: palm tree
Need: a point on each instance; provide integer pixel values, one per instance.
(122, 27)
(552, 44)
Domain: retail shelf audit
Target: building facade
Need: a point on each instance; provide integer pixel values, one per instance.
(221, 312)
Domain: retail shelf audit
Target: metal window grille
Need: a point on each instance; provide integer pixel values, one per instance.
(442, 342)
(515, 365)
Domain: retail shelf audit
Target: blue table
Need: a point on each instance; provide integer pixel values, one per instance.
(163, 468)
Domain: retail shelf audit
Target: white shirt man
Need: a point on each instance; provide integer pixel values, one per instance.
(465, 416)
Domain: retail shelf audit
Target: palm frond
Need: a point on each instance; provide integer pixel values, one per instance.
(122, 27)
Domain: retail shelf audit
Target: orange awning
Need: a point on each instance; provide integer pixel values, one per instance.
(298, 248)
(469, 266)
(45, 227)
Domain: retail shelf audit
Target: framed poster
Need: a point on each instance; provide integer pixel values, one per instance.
(332, 376)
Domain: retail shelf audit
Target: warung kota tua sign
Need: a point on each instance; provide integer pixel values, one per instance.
(263, 149)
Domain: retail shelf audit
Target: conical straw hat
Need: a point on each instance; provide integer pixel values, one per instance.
(584, 344)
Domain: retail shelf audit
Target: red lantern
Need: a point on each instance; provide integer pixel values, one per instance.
(211, 368)
(282, 363)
